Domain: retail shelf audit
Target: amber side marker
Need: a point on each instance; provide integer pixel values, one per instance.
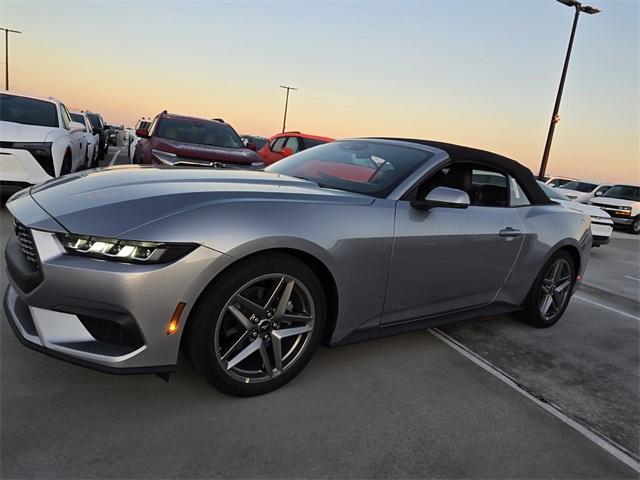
(175, 319)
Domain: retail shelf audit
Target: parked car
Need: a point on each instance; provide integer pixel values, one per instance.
(250, 270)
(622, 202)
(253, 142)
(38, 139)
(582, 191)
(284, 144)
(601, 222)
(181, 140)
(92, 137)
(115, 135)
(98, 123)
(143, 123)
(558, 181)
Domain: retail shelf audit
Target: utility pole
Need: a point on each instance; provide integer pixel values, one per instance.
(555, 118)
(6, 55)
(286, 105)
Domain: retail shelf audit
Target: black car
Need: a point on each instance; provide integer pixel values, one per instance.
(98, 124)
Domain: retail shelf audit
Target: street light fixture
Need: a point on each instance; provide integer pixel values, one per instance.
(286, 105)
(555, 118)
(7, 31)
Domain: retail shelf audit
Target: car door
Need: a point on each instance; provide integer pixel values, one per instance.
(272, 151)
(78, 145)
(448, 259)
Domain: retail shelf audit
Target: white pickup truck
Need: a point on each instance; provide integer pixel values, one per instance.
(622, 202)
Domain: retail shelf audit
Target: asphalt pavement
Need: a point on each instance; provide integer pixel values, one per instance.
(408, 406)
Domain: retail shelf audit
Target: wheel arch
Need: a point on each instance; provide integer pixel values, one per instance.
(319, 268)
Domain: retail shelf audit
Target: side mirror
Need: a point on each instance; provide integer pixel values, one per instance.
(96, 131)
(286, 151)
(598, 193)
(77, 127)
(443, 197)
(251, 146)
(142, 133)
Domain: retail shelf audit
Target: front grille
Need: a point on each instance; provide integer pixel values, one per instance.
(27, 245)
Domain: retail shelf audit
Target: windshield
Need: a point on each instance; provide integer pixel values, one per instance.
(28, 111)
(552, 193)
(370, 168)
(95, 120)
(625, 192)
(202, 132)
(583, 187)
(77, 117)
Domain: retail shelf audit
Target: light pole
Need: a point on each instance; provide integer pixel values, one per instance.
(555, 118)
(6, 55)
(286, 105)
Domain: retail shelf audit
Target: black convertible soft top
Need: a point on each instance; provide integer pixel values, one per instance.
(458, 153)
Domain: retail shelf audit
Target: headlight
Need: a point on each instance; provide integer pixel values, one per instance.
(625, 208)
(129, 251)
(167, 158)
(41, 152)
(257, 164)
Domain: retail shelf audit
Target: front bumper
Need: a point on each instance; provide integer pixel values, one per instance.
(626, 221)
(106, 315)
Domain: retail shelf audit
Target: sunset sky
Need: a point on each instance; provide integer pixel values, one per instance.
(476, 72)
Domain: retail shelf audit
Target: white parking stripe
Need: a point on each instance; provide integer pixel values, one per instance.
(605, 443)
(632, 278)
(115, 156)
(611, 309)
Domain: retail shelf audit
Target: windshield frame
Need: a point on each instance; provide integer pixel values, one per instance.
(552, 193)
(592, 186)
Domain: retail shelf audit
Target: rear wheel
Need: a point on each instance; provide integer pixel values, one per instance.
(635, 226)
(551, 292)
(257, 325)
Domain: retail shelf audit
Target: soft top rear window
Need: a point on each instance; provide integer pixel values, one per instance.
(28, 111)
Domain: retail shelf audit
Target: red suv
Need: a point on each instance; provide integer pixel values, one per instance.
(181, 140)
(287, 143)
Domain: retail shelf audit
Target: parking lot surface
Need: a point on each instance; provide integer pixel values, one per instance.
(404, 406)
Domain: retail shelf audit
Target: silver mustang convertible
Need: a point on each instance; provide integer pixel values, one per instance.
(248, 271)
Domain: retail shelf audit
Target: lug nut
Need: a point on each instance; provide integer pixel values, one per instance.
(254, 318)
(269, 314)
(266, 336)
(254, 334)
(275, 325)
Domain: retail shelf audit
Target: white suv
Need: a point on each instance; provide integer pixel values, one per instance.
(38, 139)
(623, 204)
(92, 138)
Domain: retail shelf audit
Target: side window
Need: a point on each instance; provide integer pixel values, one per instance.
(602, 189)
(488, 188)
(278, 144)
(66, 118)
(293, 144)
(517, 197)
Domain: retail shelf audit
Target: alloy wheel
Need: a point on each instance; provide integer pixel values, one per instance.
(555, 289)
(264, 328)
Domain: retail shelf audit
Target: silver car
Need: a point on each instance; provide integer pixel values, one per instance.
(249, 271)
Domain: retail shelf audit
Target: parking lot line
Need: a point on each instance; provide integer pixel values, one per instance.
(611, 309)
(115, 156)
(605, 443)
(632, 278)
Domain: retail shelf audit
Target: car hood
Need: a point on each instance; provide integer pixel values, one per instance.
(590, 210)
(573, 193)
(17, 132)
(614, 202)
(210, 153)
(111, 201)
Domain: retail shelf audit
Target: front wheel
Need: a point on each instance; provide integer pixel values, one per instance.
(257, 325)
(635, 226)
(550, 294)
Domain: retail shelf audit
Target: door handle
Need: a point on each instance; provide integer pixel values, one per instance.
(509, 232)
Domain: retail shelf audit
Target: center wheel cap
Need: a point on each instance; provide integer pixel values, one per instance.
(265, 325)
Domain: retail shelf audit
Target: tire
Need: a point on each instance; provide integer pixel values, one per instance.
(66, 165)
(541, 308)
(635, 226)
(221, 331)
